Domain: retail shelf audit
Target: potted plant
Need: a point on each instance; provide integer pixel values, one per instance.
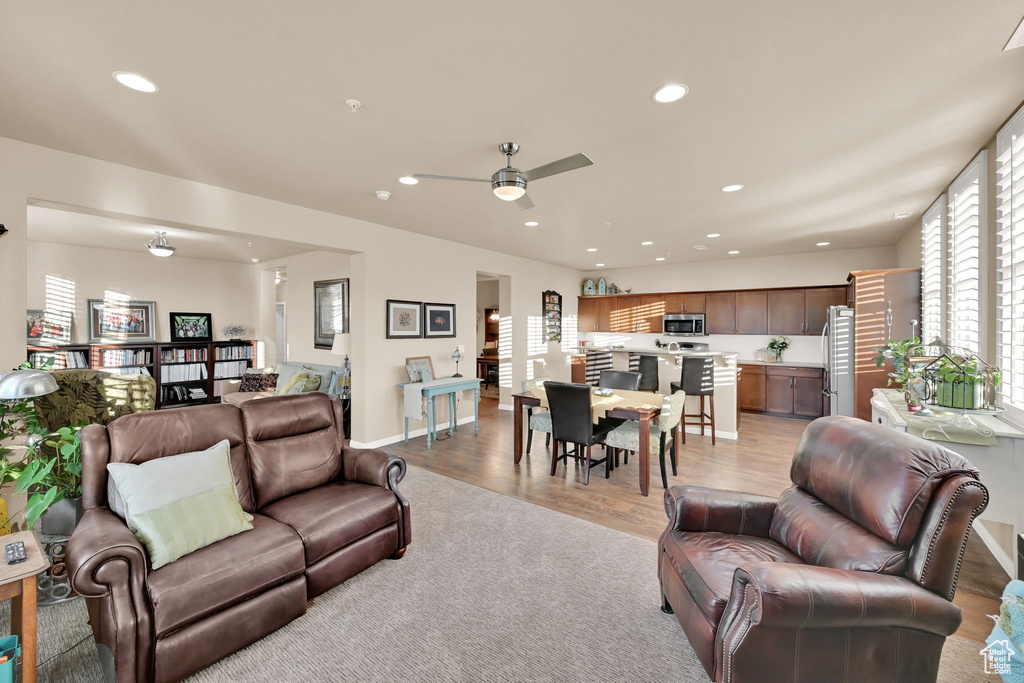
(898, 351)
(776, 346)
(961, 382)
(51, 475)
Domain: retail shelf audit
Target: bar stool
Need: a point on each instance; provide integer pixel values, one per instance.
(648, 373)
(697, 378)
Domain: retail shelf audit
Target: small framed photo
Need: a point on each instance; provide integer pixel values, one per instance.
(438, 320)
(415, 367)
(403, 319)
(46, 328)
(191, 327)
(121, 321)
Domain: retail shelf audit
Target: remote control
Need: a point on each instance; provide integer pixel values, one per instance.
(15, 552)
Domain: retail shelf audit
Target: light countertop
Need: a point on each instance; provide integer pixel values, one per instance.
(882, 402)
(784, 364)
(660, 352)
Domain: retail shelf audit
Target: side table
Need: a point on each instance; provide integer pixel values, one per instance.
(18, 582)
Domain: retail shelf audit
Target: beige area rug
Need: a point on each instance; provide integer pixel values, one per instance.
(492, 589)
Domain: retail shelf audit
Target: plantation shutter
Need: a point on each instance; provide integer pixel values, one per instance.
(1010, 259)
(964, 273)
(933, 240)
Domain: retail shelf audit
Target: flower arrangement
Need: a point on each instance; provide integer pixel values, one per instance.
(234, 330)
(777, 345)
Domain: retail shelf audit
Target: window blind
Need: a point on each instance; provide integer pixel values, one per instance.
(933, 240)
(1010, 260)
(965, 267)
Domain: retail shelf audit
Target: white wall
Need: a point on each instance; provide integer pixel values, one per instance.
(908, 249)
(822, 267)
(227, 291)
(386, 263)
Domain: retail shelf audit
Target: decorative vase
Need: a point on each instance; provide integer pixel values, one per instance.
(773, 356)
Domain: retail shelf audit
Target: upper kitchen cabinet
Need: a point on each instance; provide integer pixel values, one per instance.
(816, 303)
(752, 312)
(720, 313)
(786, 311)
(685, 303)
(595, 314)
(649, 310)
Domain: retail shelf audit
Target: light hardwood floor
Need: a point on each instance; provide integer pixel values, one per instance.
(758, 462)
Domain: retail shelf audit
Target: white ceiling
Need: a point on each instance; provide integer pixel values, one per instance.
(834, 115)
(47, 224)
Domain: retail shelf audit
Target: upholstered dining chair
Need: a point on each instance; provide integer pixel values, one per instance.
(572, 423)
(626, 437)
(539, 421)
(619, 379)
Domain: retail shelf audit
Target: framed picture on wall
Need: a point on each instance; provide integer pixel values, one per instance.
(403, 319)
(330, 311)
(191, 327)
(121, 321)
(44, 328)
(438, 320)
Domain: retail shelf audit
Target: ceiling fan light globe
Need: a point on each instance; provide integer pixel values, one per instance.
(509, 193)
(508, 184)
(161, 251)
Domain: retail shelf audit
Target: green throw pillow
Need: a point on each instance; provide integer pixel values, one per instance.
(187, 525)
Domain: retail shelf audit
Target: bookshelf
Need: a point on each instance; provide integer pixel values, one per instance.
(185, 372)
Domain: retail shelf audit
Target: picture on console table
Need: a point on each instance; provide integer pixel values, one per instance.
(121, 321)
(403, 319)
(191, 327)
(438, 320)
(330, 311)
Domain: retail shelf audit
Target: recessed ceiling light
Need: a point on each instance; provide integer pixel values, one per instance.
(672, 92)
(255, 260)
(732, 188)
(599, 265)
(660, 258)
(713, 235)
(699, 246)
(734, 252)
(646, 244)
(531, 224)
(408, 180)
(135, 81)
(823, 244)
(900, 215)
(592, 249)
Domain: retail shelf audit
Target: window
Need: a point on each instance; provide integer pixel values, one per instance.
(1010, 260)
(933, 239)
(965, 267)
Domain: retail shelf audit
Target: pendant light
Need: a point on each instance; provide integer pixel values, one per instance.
(158, 245)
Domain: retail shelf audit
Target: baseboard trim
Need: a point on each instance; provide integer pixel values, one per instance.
(413, 433)
(719, 434)
(505, 406)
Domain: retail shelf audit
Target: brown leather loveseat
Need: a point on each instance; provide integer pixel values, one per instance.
(322, 513)
(847, 576)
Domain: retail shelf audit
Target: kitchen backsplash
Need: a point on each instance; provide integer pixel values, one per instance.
(802, 349)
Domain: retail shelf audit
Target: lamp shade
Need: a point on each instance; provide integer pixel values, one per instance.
(26, 384)
(342, 344)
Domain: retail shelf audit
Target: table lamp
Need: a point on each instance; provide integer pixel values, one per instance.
(341, 346)
(458, 355)
(21, 384)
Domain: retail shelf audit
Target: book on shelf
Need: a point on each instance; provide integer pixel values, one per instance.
(176, 393)
(125, 357)
(225, 369)
(233, 352)
(191, 372)
(128, 370)
(62, 360)
(183, 355)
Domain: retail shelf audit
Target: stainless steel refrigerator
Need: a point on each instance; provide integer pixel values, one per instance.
(837, 350)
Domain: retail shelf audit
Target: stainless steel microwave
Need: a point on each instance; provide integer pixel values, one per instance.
(683, 325)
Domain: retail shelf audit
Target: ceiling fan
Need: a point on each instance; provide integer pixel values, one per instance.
(510, 183)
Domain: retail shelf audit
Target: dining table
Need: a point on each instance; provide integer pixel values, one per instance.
(641, 406)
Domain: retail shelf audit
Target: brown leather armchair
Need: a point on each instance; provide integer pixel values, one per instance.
(847, 576)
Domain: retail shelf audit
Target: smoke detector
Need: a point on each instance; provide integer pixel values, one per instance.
(383, 195)
(900, 215)
(354, 105)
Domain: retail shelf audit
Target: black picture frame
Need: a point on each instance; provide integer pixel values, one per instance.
(403, 319)
(191, 327)
(438, 320)
(330, 311)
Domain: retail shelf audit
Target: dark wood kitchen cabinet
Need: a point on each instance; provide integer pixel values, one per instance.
(816, 303)
(720, 313)
(596, 314)
(650, 308)
(752, 312)
(781, 390)
(684, 303)
(751, 390)
(786, 311)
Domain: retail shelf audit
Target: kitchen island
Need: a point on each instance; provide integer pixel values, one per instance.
(669, 370)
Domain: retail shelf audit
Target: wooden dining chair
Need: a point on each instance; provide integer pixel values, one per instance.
(697, 378)
(627, 436)
(572, 422)
(540, 420)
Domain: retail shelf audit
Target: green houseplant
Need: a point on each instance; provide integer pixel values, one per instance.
(52, 473)
(777, 345)
(961, 382)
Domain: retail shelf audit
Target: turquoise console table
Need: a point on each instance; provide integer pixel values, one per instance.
(433, 388)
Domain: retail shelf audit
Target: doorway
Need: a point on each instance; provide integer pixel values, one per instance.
(488, 319)
(281, 327)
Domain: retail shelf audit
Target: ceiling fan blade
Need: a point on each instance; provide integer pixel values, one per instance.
(560, 166)
(525, 202)
(451, 177)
